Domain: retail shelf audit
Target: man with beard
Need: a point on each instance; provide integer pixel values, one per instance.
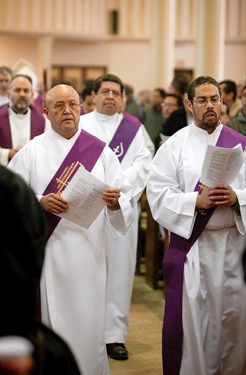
(20, 121)
(205, 321)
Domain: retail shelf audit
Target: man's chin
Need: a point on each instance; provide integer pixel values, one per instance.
(22, 107)
(110, 111)
(209, 125)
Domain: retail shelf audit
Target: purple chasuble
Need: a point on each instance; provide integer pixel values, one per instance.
(37, 125)
(123, 137)
(86, 151)
(173, 268)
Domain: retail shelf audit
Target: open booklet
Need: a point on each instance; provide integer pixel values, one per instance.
(221, 165)
(84, 194)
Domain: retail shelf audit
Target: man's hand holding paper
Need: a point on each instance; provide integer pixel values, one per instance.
(221, 165)
(220, 168)
(86, 197)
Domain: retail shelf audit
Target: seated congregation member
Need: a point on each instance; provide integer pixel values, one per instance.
(171, 103)
(73, 284)
(153, 118)
(87, 100)
(22, 250)
(229, 96)
(5, 77)
(238, 122)
(224, 115)
(20, 120)
(178, 119)
(149, 144)
(131, 105)
(204, 321)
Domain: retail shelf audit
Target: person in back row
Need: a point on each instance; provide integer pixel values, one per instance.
(126, 138)
(238, 122)
(224, 114)
(73, 284)
(229, 96)
(87, 100)
(20, 120)
(204, 321)
(153, 118)
(131, 106)
(5, 77)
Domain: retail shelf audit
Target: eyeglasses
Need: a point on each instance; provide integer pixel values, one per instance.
(62, 106)
(106, 92)
(168, 105)
(201, 102)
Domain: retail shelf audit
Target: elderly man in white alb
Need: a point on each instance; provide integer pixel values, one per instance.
(126, 137)
(73, 285)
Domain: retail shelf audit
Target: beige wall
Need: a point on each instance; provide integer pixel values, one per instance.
(144, 53)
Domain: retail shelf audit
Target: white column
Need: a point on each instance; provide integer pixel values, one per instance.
(146, 18)
(184, 23)
(45, 48)
(210, 47)
(123, 18)
(136, 17)
(233, 13)
(162, 43)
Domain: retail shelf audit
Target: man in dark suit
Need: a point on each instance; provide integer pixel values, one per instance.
(22, 250)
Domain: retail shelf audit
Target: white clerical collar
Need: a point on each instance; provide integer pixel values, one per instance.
(106, 118)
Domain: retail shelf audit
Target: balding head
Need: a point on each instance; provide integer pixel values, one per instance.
(58, 91)
(62, 108)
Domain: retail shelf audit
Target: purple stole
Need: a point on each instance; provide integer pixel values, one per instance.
(85, 151)
(173, 268)
(123, 137)
(37, 125)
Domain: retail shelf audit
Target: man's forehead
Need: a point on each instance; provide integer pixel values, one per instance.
(109, 84)
(5, 76)
(206, 89)
(61, 92)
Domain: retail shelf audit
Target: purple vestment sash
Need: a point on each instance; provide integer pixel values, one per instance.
(173, 268)
(86, 151)
(123, 137)
(37, 125)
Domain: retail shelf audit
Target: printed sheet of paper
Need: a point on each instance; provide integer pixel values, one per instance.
(221, 165)
(84, 194)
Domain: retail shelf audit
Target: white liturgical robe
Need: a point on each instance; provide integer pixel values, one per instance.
(214, 292)
(74, 275)
(121, 250)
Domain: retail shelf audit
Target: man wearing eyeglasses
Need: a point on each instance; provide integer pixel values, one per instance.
(204, 321)
(238, 122)
(74, 277)
(171, 103)
(126, 139)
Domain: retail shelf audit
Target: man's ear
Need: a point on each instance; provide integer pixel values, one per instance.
(189, 105)
(46, 112)
(93, 94)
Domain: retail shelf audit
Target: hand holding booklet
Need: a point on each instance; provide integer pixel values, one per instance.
(221, 165)
(84, 195)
